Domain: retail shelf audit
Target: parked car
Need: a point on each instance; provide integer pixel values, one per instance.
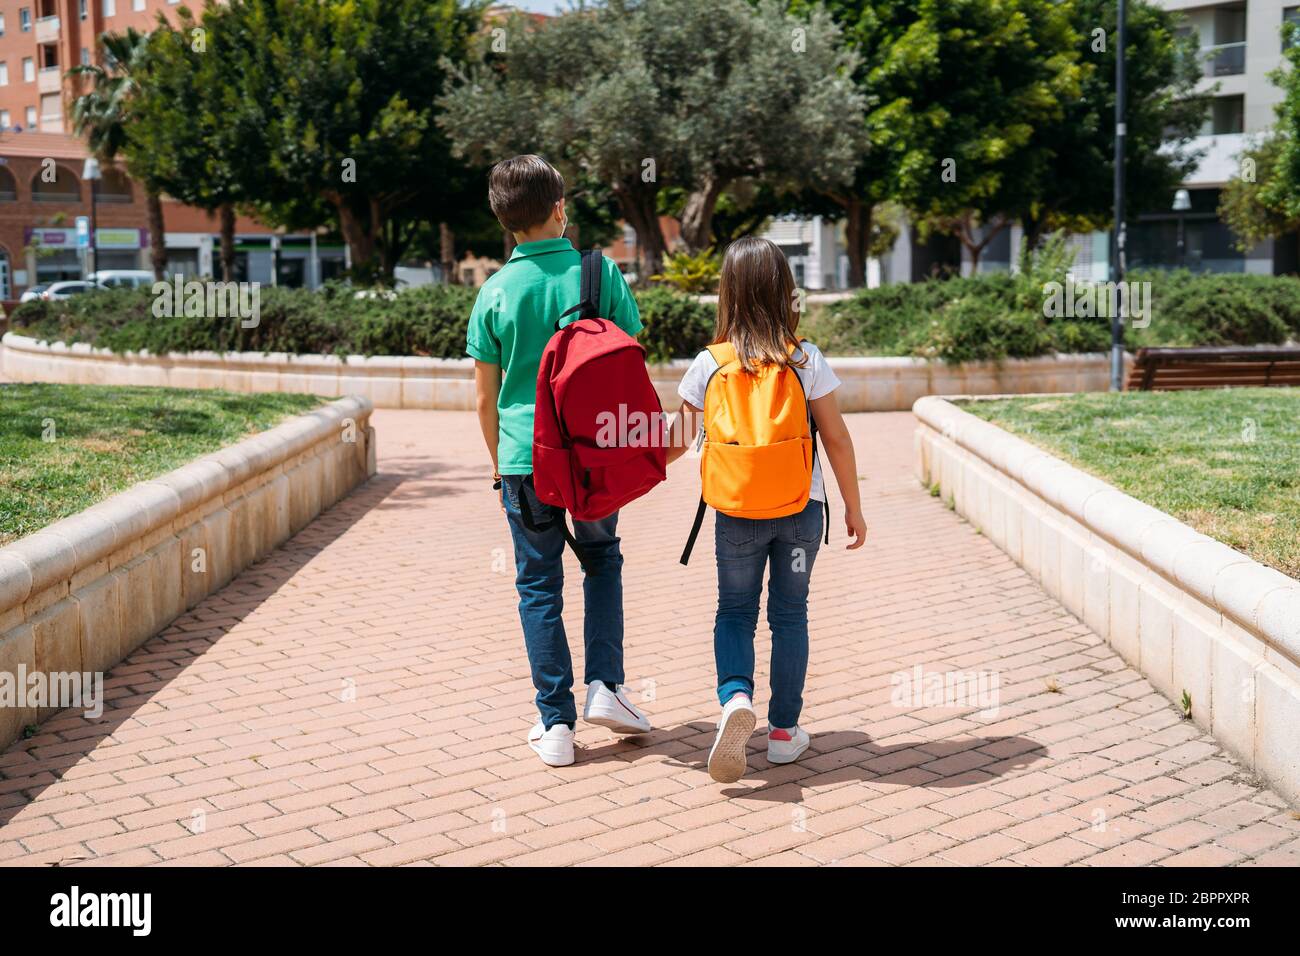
(66, 290)
(122, 278)
(33, 292)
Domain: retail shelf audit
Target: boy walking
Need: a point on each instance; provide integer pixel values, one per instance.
(513, 318)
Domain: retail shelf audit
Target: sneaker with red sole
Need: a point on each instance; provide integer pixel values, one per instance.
(785, 746)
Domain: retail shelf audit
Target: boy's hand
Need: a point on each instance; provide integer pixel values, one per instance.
(855, 526)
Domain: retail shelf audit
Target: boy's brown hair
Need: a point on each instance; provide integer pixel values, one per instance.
(756, 305)
(523, 190)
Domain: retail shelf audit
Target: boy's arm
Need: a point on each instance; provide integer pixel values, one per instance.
(839, 450)
(487, 387)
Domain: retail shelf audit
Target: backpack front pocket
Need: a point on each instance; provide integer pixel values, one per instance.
(553, 476)
(757, 481)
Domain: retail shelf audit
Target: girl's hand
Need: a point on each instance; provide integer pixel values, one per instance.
(855, 526)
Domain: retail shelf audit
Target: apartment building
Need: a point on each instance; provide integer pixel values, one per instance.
(41, 164)
(1241, 44)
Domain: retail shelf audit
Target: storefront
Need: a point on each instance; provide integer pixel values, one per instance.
(53, 254)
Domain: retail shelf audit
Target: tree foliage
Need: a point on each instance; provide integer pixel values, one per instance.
(665, 94)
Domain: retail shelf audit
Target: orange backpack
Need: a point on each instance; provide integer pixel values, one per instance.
(759, 443)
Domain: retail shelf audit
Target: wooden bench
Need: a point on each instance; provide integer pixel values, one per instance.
(1174, 369)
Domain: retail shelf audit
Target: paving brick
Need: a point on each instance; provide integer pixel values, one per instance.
(361, 698)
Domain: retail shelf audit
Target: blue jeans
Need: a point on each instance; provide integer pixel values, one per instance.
(745, 547)
(539, 578)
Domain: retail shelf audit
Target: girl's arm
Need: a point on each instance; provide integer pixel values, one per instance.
(839, 449)
(681, 431)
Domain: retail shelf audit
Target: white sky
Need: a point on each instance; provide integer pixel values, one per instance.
(540, 6)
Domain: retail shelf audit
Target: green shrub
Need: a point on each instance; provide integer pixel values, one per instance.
(676, 325)
(694, 273)
(425, 320)
(1001, 316)
(988, 317)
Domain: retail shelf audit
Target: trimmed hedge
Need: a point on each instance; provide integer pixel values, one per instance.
(1001, 316)
(987, 317)
(426, 320)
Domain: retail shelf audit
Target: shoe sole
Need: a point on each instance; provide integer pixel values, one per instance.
(728, 756)
(772, 758)
(615, 721)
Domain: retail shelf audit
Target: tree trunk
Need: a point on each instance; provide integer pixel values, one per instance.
(157, 235)
(359, 239)
(639, 209)
(447, 253)
(697, 217)
(227, 242)
(857, 235)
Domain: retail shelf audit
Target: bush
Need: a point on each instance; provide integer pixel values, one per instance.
(694, 273)
(1000, 316)
(426, 320)
(676, 325)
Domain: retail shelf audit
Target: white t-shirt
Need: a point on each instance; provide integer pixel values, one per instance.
(816, 375)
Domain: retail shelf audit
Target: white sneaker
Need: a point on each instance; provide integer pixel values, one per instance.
(612, 709)
(727, 758)
(785, 746)
(554, 746)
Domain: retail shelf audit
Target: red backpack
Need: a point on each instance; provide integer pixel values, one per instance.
(595, 404)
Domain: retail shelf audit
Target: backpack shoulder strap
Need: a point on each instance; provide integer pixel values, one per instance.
(723, 353)
(588, 306)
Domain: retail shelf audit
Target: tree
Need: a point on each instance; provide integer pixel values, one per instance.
(974, 79)
(205, 149)
(1250, 204)
(870, 27)
(105, 114)
(761, 86)
(664, 94)
(1264, 201)
(342, 93)
(1163, 114)
(955, 90)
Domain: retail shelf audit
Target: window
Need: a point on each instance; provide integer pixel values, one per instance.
(25, 19)
(81, 8)
(110, 7)
(4, 119)
(1290, 15)
(1227, 115)
(31, 117)
(2, 24)
(85, 56)
(29, 69)
(4, 75)
(137, 5)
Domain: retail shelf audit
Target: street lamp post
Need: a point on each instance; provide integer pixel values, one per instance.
(1117, 246)
(1182, 203)
(90, 171)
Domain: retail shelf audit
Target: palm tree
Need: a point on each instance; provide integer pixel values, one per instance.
(102, 115)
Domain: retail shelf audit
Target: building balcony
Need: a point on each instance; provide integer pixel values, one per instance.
(1220, 161)
(49, 79)
(1225, 59)
(47, 30)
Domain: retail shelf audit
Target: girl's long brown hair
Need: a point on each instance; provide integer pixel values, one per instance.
(756, 307)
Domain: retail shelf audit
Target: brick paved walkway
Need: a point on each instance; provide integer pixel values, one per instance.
(361, 697)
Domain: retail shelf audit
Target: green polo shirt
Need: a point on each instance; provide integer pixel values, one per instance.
(513, 319)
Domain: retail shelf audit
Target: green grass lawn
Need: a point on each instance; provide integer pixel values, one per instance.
(1225, 461)
(66, 447)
